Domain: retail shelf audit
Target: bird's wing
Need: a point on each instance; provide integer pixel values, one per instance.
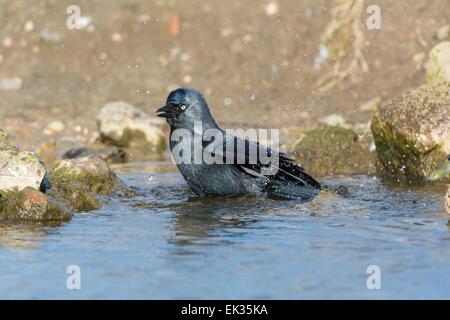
(256, 159)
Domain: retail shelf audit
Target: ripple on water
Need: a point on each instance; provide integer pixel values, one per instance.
(166, 243)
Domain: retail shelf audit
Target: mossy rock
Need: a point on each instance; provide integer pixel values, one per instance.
(110, 154)
(91, 171)
(438, 65)
(4, 142)
(30, 205)
(332, 150)
(77, 197)
(121, 124)
(412, 132)
(19, 169)
(139, 139)
(79, 181)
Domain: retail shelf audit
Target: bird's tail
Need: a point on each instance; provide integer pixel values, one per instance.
(292, 182)
(290, 191)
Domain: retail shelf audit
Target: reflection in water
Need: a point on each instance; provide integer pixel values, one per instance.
(166, 243)
(24, 235)
(199, 218)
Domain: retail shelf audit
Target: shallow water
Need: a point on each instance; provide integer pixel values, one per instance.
(165, 243)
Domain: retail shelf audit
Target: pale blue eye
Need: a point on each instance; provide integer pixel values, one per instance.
(183, 107)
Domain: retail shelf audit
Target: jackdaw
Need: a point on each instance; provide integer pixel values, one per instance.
(215, 162)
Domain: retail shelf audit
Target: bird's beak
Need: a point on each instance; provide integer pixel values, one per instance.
(440, 173)
(165, 112)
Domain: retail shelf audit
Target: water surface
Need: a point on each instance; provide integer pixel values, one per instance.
(166, 244)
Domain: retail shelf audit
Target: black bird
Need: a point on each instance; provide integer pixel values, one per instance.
(184, 109)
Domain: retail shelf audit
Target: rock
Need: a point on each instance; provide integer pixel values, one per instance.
(4, 142)
(54, 127)
(123, 125)
(334, 150)
(334, 120)
(10, 84)
(30, 205)
(50, 36)
(79, 180)
(438, 65)
(443, 33)
(442, 172)
(19, 169)
(412, 132)
(418, 60)
(371, 105)
(271, 8)
(110, 154)
(447, 201)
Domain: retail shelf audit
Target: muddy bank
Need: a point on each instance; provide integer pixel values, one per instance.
(227, 50)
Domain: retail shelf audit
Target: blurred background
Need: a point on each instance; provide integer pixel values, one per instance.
(319, 70)
(260, 63)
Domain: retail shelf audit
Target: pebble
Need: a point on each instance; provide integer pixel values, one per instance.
(144, 18)
(371, 105)
(443, 33)
(83, 22)
(29, 26)
(116, 37)
(7, 42)
(53, 127)
(225, 32)
(49, 36)
(227, 101)
(10, 84)
(334, 120)
(184, 57)
(175, 51)
(322, 57)
(187, 79)
(271, 8)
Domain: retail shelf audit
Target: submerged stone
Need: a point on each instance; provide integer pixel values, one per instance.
(334, 150)
(412, 132)
(120, 124)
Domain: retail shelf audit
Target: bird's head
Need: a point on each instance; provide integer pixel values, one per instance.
(442, 172)
(184, 106)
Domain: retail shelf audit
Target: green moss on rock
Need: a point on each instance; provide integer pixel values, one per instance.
(4, 142)
(19, 169)
(79, 180)
(120, 124)
(30, 205)
(412, 132)
(438, 65)
(136, 139)
(334, 150)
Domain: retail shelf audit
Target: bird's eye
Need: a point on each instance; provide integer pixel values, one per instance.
(183, 107)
